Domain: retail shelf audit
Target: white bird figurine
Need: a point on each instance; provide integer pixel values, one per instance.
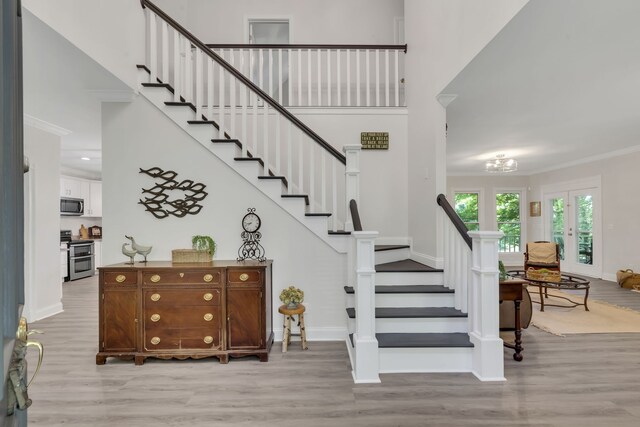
(129, 253)
(142, 250)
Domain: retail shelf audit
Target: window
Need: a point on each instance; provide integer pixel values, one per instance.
(466, 206)
(508, 218)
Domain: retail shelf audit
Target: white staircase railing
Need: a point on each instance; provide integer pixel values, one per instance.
(471, 269)
(225, 98)
(323, 75)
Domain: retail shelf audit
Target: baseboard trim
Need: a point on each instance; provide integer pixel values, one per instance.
(315, 334)
(610, 277)
(427, 259)
(47, 312)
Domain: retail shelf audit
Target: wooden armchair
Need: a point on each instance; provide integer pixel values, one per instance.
(542, 254)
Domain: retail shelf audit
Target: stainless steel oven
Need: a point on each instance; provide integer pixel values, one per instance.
(81, 259)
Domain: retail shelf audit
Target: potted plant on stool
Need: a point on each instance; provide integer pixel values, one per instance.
(291, 296)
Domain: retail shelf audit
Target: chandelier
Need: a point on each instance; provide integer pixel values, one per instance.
(501, 164)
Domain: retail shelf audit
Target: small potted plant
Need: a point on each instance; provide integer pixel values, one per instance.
(204, 244)
(291, 296)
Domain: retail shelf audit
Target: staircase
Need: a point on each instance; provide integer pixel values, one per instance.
(417, 327)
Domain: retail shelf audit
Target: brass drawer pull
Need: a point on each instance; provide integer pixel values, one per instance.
(244, 277)
(121, 278)
(207, 277)
(208, 339)
(155, 317)
(208, 317)
(155, 278)
(181, 275)
(155, 297)
(208, 296)
(155, 340)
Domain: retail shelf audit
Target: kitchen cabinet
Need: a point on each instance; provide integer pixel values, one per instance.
(88, 190)
(97, 252)
(64, 266)
(188, 310)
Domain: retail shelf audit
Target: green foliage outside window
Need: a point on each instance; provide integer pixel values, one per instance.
(466, 206)
(508, 218)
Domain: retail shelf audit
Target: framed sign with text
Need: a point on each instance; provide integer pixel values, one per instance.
(374, 140)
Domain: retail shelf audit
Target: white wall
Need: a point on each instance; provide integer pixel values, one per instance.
(43, 285)
(443, 36)
(620, 207)
(109, 31)
(317, 22)
(383, 173)
(300, 258)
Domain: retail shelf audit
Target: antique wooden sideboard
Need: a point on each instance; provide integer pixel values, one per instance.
(185, 310)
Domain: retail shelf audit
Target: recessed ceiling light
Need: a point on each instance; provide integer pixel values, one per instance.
(84, 158)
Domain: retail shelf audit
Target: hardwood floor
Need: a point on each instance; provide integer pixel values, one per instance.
(579, 380)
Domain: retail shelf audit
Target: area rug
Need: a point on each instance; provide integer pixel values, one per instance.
(601, 317)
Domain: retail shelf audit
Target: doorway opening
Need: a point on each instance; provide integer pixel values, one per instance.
(266, 70)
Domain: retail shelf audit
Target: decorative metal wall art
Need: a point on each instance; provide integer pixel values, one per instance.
(158, 202)
(251, 247)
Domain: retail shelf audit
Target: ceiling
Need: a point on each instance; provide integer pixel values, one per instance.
(559, 85)
(63, 90)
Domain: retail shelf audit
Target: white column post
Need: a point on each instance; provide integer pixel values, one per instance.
(366, 360)
(488, 357)
(351, 180)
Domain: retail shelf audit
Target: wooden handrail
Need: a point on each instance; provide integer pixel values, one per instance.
(402, 47)
(355, 215)
(455, 219)
(238, 75)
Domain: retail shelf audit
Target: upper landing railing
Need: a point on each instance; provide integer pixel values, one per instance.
(316, 75)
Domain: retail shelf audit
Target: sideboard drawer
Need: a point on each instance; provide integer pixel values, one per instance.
(177, 277)
(120, 277)
(165, 316)
(179, 298)
(244, 277)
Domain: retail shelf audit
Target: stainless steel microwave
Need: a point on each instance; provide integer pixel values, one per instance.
(70, 206)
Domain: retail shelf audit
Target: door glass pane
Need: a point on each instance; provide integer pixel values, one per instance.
(584, 225)
(508, 216)
(557, 223)
(466, 206)
(271, 32)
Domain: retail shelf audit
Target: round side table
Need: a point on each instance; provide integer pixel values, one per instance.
(288, 315)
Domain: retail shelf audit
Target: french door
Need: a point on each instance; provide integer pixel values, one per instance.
(573, 220)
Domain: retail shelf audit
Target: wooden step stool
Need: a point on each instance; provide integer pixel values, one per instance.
(288, 314)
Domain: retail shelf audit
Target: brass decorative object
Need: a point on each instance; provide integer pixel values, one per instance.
(208, 317)
(155, 340)
(155, 278)
(207, 277)
(159, 204)
(208, 296)
(121, 278)
(155, 317)
(181, 275)
(155, 297)
(244, 277)
(208, 339)
(17, 385)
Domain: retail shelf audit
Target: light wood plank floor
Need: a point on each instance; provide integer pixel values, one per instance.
(579, 380)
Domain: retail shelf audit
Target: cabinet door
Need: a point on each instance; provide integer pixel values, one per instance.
(96, 198)
(118, 319)
(71, 187)
(97, 251)
(244, 318)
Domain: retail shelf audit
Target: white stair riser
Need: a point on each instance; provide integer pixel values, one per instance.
(400, 278)
(143, 76)
(429, 359)
(409, 300)
(418, 325)
(383, 257)
(178, 113)
(158, 95)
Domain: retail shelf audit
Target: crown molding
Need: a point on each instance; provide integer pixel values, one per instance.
(589, 159)
(45, 126)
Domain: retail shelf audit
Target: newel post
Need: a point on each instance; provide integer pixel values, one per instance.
(351, 180)
(366, 360)
(484, 294)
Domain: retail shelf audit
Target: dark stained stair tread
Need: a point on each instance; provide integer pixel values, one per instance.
(421, 340)
(181, 104)
(411, 312)
(317, 214)
(143, 67)
(380, 248)
(282, 178)
(405, 266)
(224, 141)
(407, 289)
(246, 159)
(306, 198)
(339, 232)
